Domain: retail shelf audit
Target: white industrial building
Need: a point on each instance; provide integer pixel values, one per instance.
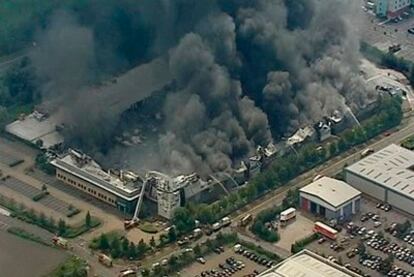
(330, 198)
(120, 189)
(387, 175)
(391, 8)
(307, 264)
(171, 193)
(36, 128)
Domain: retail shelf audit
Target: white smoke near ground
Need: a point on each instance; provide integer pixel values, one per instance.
(244, 72)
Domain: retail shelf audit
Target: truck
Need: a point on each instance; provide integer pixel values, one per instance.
(225, 221)
(367, 152)
(60, 242)
(287, 215)
(105, 260)
(197, 233)
(216, 226)
(325, 230)
(127, 273)
(128, 224)
(246, 220)
(237, 247)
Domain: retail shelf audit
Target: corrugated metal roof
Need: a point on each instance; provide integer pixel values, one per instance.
(307, 264)
(391, 170)
(332, 191)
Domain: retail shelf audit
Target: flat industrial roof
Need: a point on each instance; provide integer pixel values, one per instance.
(389, 168)
(32, 129)
(332, 191)
(307, 264)
(95, 175)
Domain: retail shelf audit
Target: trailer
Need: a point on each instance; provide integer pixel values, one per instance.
(105, 260)
(325, 230)
(287, 215)
(216, 226)
(246, 220)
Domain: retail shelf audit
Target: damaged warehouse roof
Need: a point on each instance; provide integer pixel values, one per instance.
(34, 127)
(143, 80)
(127, 185)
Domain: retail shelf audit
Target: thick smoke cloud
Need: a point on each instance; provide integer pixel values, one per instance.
(243, 72)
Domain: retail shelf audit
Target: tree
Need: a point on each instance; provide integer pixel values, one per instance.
(61, 227)
(386, 264)
(333, 148)
(32, 214)
(115, 248)
(52, 223)
(183, 220)
(44, 187)
(42, 219)
(132, 251)
(172, 261)
(141, 249)
(361, 249)
(197, 250)
(125, 247)
(103, 242)
(152, 242)
(172, 236)
(88, 220)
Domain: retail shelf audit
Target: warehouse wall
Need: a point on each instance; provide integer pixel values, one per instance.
(90, 189)
(401, 202)
(365, 186)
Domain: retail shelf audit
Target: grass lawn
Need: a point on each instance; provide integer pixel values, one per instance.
(148, 227)
(73, 266)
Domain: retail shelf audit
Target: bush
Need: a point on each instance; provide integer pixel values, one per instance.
(26, 235)
(43, 164)
(300, 245)
(40, 195)
(148, 228)
(73, 212)
(73, 266)
(260, 250)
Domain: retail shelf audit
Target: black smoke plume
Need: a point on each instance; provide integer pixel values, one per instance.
(242, 72)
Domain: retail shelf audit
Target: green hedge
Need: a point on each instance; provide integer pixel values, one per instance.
(26, 235)
(39, 219)
(300, 245)
(40, 195)
(259, 250)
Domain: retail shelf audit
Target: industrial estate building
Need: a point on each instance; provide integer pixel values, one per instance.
(386, 175)
(36, 128)
(307, 264)
(330, 198)
(391, 8)
(120, 189)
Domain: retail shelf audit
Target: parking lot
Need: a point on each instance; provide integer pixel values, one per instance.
(371, 228)
(382, 34)
(30, 191)
(9, 159)
(227, 263)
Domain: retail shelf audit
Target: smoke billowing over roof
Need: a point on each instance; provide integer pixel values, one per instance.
(241, 73)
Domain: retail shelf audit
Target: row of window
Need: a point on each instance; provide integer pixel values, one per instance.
(83, 187)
